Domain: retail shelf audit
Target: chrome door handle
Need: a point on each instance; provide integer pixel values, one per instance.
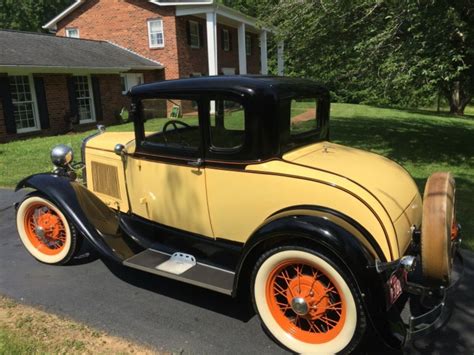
(196, 163)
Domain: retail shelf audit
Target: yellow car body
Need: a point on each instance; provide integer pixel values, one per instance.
(232, 183)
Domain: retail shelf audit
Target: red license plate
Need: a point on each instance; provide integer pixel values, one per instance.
(395, 286)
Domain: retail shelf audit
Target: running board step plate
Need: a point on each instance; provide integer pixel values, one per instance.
(183, 267)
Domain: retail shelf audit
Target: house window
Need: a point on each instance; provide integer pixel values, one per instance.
(84, 97)
(24, 103)
(155, 33)
(130, 80)
(225, 40)
(194, 38)
(248, 44)
(72, 32)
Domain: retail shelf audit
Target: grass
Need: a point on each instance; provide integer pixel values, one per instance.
(28, 330)
(422, 141)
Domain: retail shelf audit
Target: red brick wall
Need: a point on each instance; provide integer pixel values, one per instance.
(57, 97)
(228, 59)
(125, 23)
(191, 60)
(152, 76)
(112, 98)
(253, 60)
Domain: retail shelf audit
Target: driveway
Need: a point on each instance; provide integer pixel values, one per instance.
(165, 314)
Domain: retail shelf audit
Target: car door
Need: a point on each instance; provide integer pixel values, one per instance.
(166, 179)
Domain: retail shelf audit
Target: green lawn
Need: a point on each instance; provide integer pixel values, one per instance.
(422, 141)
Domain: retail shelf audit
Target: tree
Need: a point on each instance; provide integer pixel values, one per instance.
(384, 51)
(29, 15)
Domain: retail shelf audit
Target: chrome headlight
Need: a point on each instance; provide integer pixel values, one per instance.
(62, 155)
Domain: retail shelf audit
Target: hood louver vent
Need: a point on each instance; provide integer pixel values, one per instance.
(105, 179)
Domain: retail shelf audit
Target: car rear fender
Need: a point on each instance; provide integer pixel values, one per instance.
(339, 235)
(98, 223)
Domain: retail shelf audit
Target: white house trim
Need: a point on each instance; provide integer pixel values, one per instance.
(52, 25)
(161, 3)
(211, 30)
(242, 49)
(220, 10)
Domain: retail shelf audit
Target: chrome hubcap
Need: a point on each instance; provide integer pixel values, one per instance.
(299, 305)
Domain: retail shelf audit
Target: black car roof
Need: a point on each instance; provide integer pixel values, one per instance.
(252, 85)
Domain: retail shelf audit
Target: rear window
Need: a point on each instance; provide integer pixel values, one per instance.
(304, 116)
(302, 121)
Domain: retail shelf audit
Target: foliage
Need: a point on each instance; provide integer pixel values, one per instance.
(29, 15)
(381, 51)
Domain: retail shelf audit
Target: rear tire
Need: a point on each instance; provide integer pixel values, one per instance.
(45, 232)
(307, 302)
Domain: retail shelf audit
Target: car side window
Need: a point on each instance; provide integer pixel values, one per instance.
(227, 128)
(171, 123)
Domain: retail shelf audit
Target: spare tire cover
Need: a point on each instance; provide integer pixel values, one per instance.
(438, 219)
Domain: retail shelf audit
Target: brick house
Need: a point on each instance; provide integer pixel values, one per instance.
(188, 37)
(101, 48)
(50, 84)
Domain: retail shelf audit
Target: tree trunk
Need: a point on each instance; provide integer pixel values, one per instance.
(458, 100)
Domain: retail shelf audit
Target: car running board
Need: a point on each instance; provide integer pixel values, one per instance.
(183, 267)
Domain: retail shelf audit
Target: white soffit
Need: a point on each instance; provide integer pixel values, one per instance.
(51, 25)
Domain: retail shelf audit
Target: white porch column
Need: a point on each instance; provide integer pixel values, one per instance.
(280, 58)
(263, 53)
(242, 51)
(211, 29)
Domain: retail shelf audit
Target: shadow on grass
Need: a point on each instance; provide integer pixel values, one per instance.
(422, 141)
(442, 114)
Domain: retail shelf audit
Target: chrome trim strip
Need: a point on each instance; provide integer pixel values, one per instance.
(100, 130)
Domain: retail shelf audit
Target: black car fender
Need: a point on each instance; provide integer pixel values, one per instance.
(339, 235)
(98, 223)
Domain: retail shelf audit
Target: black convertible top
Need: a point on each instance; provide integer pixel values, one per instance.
(251, 85)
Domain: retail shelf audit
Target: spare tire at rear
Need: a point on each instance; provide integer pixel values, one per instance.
(438, 219)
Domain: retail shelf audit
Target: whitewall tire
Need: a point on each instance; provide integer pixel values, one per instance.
(45, 231)
(307, 302)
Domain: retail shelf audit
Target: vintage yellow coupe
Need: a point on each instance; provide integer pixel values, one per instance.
(231, 183)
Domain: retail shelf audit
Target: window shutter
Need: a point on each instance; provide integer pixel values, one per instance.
(8, 109)
(188, 32)
(42, 103)
(73, 110)
(97, 98)
(230, 41)
(201, 36)
(222, 39)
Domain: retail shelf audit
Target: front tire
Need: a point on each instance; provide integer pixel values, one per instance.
(307, 302)
(45, 231)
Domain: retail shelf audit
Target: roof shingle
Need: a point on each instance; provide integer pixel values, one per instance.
(49, 51)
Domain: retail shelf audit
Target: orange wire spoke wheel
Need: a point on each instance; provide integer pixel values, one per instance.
(305, 302)
(45, 229)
